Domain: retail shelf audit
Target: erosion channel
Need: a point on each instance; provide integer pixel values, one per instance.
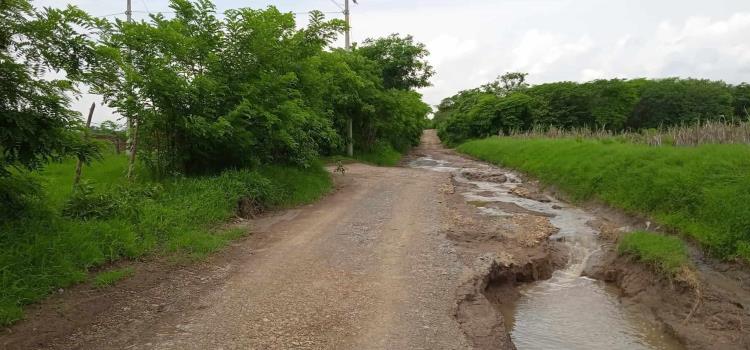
(530, 251)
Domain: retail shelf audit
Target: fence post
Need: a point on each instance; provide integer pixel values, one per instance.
(79, 165)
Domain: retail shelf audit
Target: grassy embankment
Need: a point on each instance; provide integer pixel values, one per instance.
(702, 192)
(182, 217)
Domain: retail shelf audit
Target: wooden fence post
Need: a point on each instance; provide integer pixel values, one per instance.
(79, 165)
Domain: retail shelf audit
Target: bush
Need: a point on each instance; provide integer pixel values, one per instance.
(18, 193)
(87, 204)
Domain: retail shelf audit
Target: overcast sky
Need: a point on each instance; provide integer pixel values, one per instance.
(472, 42)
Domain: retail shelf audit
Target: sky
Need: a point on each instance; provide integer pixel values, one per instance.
(472, 42)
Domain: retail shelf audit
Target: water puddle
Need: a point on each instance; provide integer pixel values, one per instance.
(567, 311)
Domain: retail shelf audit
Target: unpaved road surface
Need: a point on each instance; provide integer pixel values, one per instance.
(394, 258)
(365, 268)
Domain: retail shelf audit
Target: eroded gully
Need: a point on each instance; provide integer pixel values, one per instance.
(565, 310)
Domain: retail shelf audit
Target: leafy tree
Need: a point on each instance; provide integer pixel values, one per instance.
(211, 94)
(741, 95)
(674, 101)
(508, 104)
(566, 105)
(611, 102)
(403, 61)
(36, 122)
(506, 84)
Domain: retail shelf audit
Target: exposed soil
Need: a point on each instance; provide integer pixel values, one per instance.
(394, 258)
(703, 307)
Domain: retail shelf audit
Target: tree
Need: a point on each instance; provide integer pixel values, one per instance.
(402, 60)
(611, 102)
(741, 95)
(36, 122)
(675, 101)
(211, 94)
(506, 84)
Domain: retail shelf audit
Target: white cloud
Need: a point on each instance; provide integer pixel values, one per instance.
(539, 51)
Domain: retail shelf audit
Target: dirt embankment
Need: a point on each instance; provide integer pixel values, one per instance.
(500, 252)
(705, 307)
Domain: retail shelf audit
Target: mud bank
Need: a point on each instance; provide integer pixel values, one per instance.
(480, 300)
(705, 307)
(532, 258)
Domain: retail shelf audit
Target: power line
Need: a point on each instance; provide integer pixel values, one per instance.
(145, 6)
(223, 12)
(337, 5)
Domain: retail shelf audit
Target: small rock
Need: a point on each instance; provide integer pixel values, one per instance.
(556, 207)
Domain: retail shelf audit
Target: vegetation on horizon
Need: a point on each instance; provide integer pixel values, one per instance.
(511, 106)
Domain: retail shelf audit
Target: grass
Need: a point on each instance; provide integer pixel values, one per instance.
(667, 254)
(702, 191)
(183, 217)
(108, 278)
(381, 155)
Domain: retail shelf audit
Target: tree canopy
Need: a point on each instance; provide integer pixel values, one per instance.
(509, 104)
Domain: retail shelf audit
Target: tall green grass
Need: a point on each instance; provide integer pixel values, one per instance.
(667, 254)
(45, 250)
(702, 191)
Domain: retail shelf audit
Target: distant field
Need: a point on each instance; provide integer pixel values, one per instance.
(46, 250)
(702, 192)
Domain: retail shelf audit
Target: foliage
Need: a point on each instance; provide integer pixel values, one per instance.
(702, 191)
(36, 123)
(211, 94)
(247, 97)
(381, 155)
(108, 278)
(85, 203)
(402, 60)
(614, 105)
(668, 254)
(44, 250)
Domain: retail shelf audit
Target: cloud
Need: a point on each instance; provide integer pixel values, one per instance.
(540, 51)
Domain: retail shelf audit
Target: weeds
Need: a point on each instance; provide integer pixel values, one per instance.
(108, 278)
(709, 132)
(667, 254)
(112, 219)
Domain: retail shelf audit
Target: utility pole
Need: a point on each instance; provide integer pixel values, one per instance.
(129, 119)
(347, 45)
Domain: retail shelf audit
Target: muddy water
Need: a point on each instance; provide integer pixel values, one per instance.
(567, 311)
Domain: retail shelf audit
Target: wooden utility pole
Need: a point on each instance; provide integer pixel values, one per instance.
(129, 119)
(132, 141)
(79, 165)
(347, 45)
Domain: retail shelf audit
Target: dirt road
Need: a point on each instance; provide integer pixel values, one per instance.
(434, 255)
(367, 267)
